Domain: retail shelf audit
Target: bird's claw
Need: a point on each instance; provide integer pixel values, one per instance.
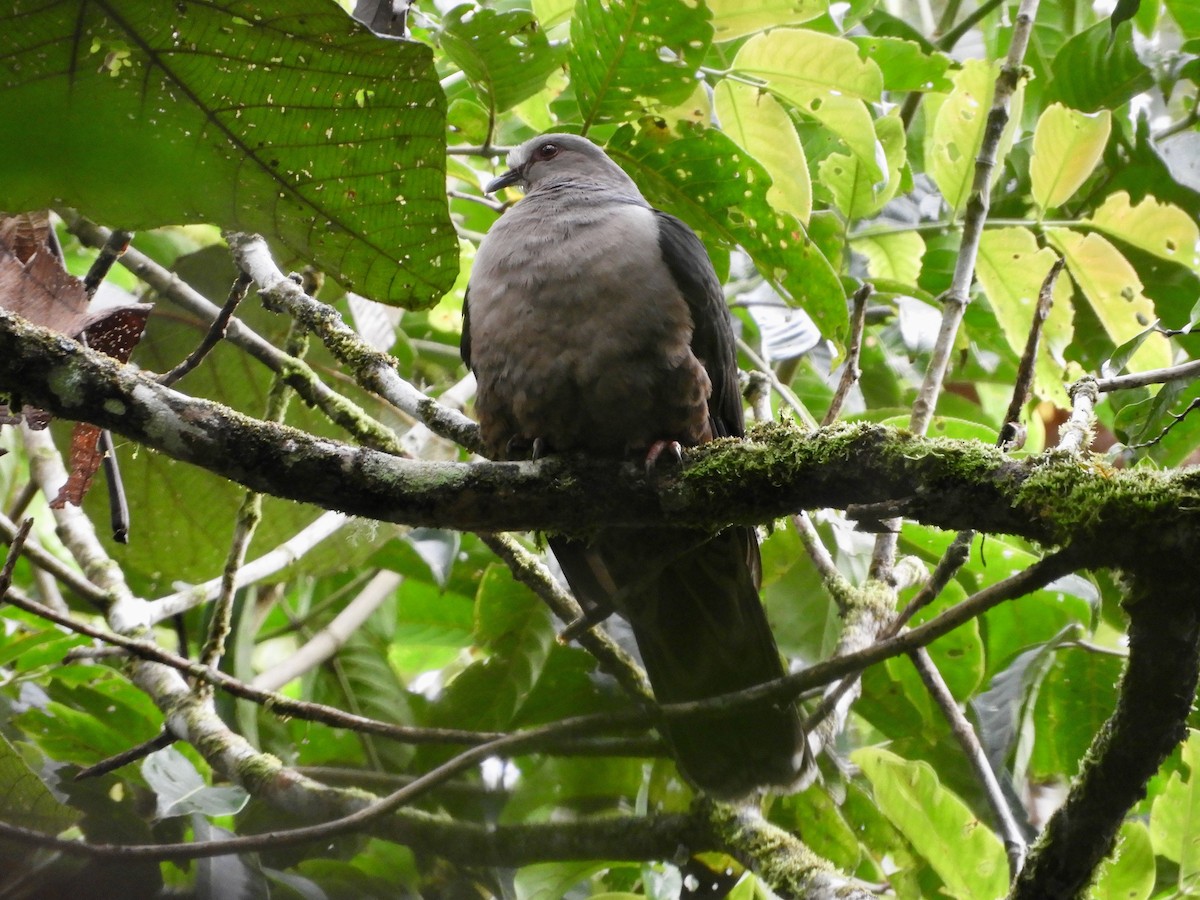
(518, 447)
(657, 449)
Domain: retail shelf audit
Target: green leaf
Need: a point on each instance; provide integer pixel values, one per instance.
(761, 127)
(551, 881)
(966, 855)
(1114, 292)
(180, 790)
(1077, 697)
(1011, 270)
(895, 257)
(958, 127)
(503, 54)
(27, 802)
(1159, 228)
(1098, 70)
(1186, 15)
(905, 64)
(739, 18)
(850, 181)
(552, 13)
(284, 117)
(1130, 873)
(1066, 147)
(1173, 817)
(823, 77)
(619, 61)
(700, 175)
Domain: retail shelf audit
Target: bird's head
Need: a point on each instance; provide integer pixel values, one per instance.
(561, 158)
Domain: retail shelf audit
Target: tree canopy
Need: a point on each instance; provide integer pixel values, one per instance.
(270, 626)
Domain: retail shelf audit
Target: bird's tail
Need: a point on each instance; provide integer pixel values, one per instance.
(702, 631)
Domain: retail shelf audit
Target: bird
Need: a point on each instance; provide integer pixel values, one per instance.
(595, 324)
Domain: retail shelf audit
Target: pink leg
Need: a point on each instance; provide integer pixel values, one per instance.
(656, 450)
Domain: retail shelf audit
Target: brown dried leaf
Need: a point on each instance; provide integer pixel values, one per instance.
(26, 234)
(86, 457)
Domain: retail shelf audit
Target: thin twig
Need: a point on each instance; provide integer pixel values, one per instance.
(326, 642)
(118, 504)
(364, 428)
(850, 370)
(373, 370)
(1076, 433)
(1023, 384)
(48, 562)
(785, 393)
(320, 529)
(1144, 379)
(529, 570)
(956, 298)
(968, 740)
(15, 547)
(216, 331)
(114, 246)
(163, 739)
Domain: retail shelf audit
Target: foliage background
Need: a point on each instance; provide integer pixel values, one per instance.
(812, 148)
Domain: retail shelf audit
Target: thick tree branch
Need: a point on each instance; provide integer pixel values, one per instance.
(1156, 696)
(950, 484)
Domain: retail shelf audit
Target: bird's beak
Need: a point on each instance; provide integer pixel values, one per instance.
(512, 176)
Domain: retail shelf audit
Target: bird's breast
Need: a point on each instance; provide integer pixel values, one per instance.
(580, 335)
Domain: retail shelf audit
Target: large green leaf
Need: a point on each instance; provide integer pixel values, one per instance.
(756, 121)
(1174, 816)
(284, 117)
(629, 55)
(893, 257)
(1077, 697)
(700, 175)
(905, 65)
(1129, 873)
(27, 802)
(1098, 70)
(504, 54)
(967, 856)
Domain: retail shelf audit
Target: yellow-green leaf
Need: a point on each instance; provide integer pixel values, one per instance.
(797, 60)
(958, 126)
(822, 76)
(1159, 228)
(761, 127)
(963, 851)
(1011, 270)
(850, 180)
(1173, 817)
(1066, 147)
(552, 13)
(738, 18)
(1129, 875)
(895, 257)
(1114, 291)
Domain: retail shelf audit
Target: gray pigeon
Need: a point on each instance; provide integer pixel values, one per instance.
(595, 323)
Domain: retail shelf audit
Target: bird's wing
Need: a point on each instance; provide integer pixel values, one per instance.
(712, 338)
(464, 345)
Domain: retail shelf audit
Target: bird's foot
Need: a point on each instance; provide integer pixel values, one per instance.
(657, 449)
(520, 447)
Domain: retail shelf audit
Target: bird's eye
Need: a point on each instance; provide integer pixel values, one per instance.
(548, 151)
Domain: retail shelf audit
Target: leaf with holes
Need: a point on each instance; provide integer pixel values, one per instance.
(628, 56)
(700, 175)
(503, 54)
(284, 117)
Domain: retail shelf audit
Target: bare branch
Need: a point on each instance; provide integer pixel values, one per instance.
(374, 370)
(215, 333)
(850, 370)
